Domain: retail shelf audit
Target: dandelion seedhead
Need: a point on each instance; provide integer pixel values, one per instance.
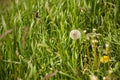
(92, 58)
(75, 34)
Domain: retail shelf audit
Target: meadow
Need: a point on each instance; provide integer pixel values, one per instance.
(60, 40)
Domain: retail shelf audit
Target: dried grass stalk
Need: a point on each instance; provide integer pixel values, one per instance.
(26, 30)
(6, 33)
(47, 76)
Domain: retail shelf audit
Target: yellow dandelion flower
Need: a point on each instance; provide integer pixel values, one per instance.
(75, 34)
(105, 59)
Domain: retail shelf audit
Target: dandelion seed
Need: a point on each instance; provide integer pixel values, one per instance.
(105, 59)
(93, 77)
(75, 34)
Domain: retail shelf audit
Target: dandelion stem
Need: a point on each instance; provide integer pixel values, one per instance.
(88, 52)
(94, 41)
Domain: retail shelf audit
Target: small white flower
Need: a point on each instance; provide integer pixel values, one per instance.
(94, 41)
(104, 78)
(93, 77)
(75, 34)
(94, 29)
(110, 71)
(107, 45)
(84, 31)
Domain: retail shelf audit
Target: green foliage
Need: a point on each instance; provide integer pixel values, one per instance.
(39, 46)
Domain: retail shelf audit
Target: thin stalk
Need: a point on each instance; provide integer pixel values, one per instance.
(88, 53)
(94, 48)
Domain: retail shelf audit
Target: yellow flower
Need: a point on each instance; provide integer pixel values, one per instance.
(105, 59)
(75, 34)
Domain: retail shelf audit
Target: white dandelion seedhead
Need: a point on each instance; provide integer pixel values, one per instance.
(75, 34)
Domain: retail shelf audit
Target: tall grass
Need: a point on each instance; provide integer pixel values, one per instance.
(39, 46)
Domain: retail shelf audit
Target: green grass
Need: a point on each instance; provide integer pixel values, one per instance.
(39, 42)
